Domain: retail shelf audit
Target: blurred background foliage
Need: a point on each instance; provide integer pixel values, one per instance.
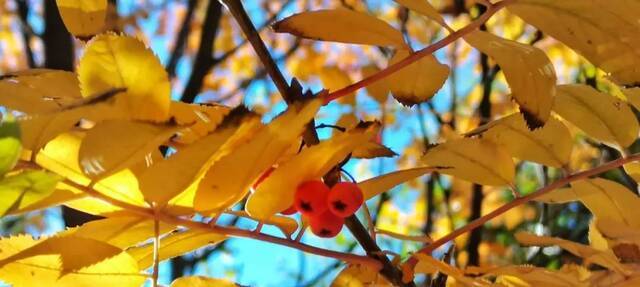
(209, 61)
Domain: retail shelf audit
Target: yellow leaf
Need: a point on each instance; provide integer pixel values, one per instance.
(200, 281)
(71, 251)
(590, 255)
(122, 231)
(477, 160)
(120, 270)
(61, 157)
(371, 150)
(83, 18)
(633, 169)
(341, 25)
(424, 7)
(528, 71)
(359, 275)
(334, 79)
(275, 193)
(57, 197)
(601, 116)
(417, 82)
(550, 145)
(200, 119)
(111, 61)
(37, 130)
(529, 276)
(229, 179)
(113, 145)
(633, 96)
(175, 244)
(603, 32)
(428, 264)
(38, 91)
(604, 198)
(377, 185)
(379, 90)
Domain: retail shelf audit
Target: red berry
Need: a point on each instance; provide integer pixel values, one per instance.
(311, 198)
(263, 176)
(289, 211)
(345, 198)
(326, 225)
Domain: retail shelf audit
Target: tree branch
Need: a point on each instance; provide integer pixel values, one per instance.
(419, 54)
(522, 200)
(181, 39)
(204, 59)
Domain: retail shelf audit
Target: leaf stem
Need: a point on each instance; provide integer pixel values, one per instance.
(414, 57)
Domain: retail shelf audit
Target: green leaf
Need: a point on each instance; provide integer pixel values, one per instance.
(10, 147)
(25, 188)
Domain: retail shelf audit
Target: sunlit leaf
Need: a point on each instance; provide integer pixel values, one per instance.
(229, 179)
(601, 116)
(276, 192)
(333, 78)
(200, 119)
(100, 155)
(359, 275)
(417, 82)
(530, 275)
(603, 32)
(341, 25)
(427, 264)
(25, 188)
(377, 185)
(200, 281)
(38, 91)
(476, 160)
(10, 148)
(175, 244)
(120, 270)
(590, 255)
(550, 145)
(120, 231)
(83, 18)
(111, 61)
(528, 71)
(424, 8)
(379, 90)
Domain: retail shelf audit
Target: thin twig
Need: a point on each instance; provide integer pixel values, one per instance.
(156, 248)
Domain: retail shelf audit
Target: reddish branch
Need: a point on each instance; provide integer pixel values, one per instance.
(522, 200)
(419, 54)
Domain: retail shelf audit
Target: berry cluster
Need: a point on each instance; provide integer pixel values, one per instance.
(326, 208)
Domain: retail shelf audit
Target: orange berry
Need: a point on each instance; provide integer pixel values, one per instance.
(311, 198)
(326, 225)
(289, 211)
(263, 176)
(345, 198)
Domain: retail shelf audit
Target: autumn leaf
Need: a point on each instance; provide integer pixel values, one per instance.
(379, 184)
(111, 61)
(423, 7)
(604, 33)
(99, 156)
(601, 116)
(359, 275)
(477, 160)
(119, 270)
(378, 90)
(341, 25)
(83, 18)
(417, 82)
(175, 244)
(200, 281)
(550, 145)
(38, 91)
(528, 71)
(229, 179)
